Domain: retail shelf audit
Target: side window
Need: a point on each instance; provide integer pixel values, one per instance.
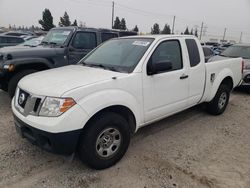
(169, 51)
(84, 40)
(207, 52)
(193, 52)
(107, 36)
(3, 39)
(14, 40)
(19, 40)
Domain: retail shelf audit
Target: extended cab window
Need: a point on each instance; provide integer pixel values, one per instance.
(193, 52)
(107, 36)
(168, 51)
(84, 40)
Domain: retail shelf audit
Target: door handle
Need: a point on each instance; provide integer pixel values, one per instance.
(184, 77)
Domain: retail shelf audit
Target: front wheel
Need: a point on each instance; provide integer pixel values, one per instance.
(219, 103)
(105, 141)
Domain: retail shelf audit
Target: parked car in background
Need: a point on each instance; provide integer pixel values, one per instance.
(6, 40)
(18, 33)
(208, 53)
(32, 42)
(124, 84)
(61, 46)
(235, 51)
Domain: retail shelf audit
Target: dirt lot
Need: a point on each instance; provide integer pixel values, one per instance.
(191, 149)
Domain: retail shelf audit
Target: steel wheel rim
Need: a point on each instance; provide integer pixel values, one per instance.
(222, 100)
(108, 142)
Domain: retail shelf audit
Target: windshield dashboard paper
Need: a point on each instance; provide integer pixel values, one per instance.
(141, 43)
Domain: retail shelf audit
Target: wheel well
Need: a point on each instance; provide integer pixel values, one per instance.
(121, 110)
(35, 66)
(228, 81)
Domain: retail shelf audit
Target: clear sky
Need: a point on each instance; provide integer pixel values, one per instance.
(216, 14)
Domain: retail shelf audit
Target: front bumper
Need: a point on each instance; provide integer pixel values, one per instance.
(54, 134)
(60, 143)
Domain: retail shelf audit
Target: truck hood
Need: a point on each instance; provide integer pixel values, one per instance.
(56, 82)
(22, 52)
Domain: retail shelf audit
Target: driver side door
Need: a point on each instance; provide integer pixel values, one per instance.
(81, 44)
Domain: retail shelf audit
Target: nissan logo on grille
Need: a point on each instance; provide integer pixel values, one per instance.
(22, 98)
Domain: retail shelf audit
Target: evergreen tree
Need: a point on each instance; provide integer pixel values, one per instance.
(47, 20)
(186, 32)
(64, 21)
(192, 32)
(117, 23)
(75, 23)
(136, 29)
(166, 30)
(123, 24)
(155, 29)
(196, 32)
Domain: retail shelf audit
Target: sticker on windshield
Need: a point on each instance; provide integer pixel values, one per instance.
(141, 43)
(66, 33)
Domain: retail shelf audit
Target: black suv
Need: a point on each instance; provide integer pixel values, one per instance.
(61, 46)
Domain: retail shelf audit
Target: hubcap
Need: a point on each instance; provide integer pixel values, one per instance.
(108, 142)
(222, 100)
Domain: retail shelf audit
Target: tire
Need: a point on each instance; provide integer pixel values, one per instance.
(92, 149)
(219, 103)
(15, 79)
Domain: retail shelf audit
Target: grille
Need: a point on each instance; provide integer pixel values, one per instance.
(28, 104)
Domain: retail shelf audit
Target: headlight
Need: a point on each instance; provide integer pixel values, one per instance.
(53, 107)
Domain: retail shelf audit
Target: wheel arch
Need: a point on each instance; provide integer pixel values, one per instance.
(118, 109)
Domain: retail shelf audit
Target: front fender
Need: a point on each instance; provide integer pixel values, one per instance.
(24, 61)
(100, 100)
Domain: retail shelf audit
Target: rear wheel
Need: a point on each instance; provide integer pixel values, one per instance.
(15, 79)
(219, 103)
(105, 141)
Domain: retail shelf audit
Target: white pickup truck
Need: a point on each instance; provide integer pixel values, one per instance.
(124, 84)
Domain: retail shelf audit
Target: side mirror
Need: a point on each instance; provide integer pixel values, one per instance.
(158, 67)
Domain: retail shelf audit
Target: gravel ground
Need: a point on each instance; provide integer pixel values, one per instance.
(191, 149)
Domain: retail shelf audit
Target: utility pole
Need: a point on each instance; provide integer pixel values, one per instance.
(113, 10)
(224, 35)
(202, 24)
(240, 37)
(173, 25)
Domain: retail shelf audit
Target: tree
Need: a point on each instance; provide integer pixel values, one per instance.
(192, 32)
(117, 23)
(186, 32)
(64, 21)
(166, 30)
(136, 29)
(155, 29)
(47, 20)
(75, 23)
(123, 24)
(196, 32)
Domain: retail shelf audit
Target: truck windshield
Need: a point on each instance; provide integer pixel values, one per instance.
(56, 36)
(121, 55)
(237, 51)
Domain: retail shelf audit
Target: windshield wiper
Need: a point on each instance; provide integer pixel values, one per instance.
(44, 42)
